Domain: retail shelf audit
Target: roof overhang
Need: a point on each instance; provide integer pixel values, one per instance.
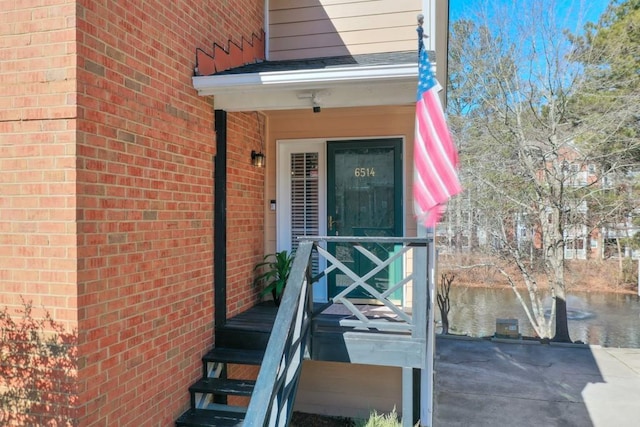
(331, 87)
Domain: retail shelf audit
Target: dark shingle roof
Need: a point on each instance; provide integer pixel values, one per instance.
(370, 59)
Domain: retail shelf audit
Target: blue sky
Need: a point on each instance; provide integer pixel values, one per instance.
(590, 9)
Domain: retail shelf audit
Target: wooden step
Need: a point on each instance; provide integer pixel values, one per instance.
(234, 355)
(223, 386)
(242, 338)
(250, 330)
(209, 418)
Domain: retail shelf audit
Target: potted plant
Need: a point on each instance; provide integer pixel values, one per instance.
(275, 276)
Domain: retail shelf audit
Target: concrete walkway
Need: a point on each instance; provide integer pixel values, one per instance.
(484, 383)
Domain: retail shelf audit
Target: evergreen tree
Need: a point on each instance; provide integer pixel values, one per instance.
(537, 114)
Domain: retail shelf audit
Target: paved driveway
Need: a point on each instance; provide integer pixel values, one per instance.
(484, 383)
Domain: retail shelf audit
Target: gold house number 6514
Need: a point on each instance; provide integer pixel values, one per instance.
(362, 172)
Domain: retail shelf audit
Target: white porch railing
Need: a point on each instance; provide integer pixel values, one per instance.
(406, 341)
(404, 336)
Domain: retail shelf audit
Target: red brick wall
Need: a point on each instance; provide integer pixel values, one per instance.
(245, 209)
(145, 147)
(245, 222)
(37, 178)
(106, 190)
(37, 137)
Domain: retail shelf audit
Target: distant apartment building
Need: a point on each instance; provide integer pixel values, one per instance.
(587, 235)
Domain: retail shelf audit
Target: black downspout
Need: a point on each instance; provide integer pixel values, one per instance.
(220, 221)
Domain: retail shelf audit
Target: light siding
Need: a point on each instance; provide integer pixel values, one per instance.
(348, 390)
(339, 123)
(321, 28)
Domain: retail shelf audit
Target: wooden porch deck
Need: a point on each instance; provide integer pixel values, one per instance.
(279, 339)
(251, 329)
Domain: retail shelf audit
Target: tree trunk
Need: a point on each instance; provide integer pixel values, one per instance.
(553, 238)
(620, 261)
(445, 321)
(443, 300)
(562, 325)
(557, 265)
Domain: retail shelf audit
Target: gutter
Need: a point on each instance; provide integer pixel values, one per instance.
(303, 79)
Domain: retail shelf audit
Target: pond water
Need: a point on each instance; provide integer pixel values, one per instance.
(607, 319)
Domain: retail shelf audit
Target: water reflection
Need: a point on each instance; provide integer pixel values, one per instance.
(611, 320)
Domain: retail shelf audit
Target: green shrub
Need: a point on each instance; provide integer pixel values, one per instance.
(274, 278)
(380, 420)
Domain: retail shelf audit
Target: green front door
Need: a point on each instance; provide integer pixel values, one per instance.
(364, 198)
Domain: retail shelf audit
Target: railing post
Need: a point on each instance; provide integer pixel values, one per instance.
(420, 292)
(407, 397)
(426, 380)
(420, 331)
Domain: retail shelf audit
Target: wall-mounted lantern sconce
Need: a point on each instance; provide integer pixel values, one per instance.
(257, 159)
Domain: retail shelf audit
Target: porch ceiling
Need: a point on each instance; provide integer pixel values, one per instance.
(364, 80)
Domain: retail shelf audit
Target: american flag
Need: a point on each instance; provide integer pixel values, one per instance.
(434, 155)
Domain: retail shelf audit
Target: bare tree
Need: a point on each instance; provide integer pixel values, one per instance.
(528, 164)
(444, 302)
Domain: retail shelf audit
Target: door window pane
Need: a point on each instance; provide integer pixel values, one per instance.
(364, 190)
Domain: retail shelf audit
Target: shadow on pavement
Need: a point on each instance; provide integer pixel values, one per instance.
(485, 383)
